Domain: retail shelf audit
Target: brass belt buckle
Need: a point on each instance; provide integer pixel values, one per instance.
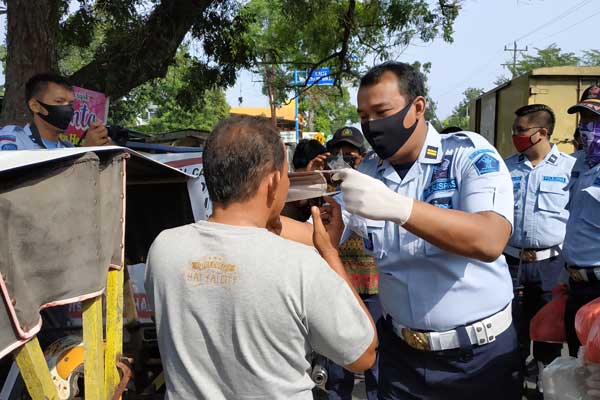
(416, 340)
(528, 255)
(576, 275)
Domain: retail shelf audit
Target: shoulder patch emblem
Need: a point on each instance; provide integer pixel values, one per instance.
(486, 164)
(553, 158)
(9, 146)
(431, 152)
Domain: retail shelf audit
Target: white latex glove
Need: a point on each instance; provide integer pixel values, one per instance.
(370, 198)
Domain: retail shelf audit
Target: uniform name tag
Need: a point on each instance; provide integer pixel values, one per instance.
(560, 179)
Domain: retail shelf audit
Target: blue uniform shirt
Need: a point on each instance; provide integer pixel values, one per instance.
(541, 195)
(14, 137)
(582, 240)
(420, 285)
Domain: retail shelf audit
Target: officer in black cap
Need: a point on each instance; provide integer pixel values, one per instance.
(360, 267)
(350, 142)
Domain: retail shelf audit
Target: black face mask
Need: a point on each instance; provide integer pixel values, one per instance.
(387, 135)
(58, 116)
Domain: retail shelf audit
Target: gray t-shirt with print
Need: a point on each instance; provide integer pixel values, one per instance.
(239, 309)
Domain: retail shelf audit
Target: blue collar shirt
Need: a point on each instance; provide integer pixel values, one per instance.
(540, 195)
(420, 285)
(582, 247)
(14, 137)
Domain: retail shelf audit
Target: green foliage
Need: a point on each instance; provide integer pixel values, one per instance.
(591, 58)
(325, 109)
(551, 56)
(460, 114)
(342, 35)
(171, 116)
(100, 31)
(431, 110)
(199, 111)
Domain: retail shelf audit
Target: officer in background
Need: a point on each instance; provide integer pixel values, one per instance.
(50, 100)
(581, 250)
(438, 212)
(540, 174)
(349, 143)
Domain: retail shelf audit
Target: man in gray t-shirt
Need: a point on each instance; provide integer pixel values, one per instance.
(238, 308)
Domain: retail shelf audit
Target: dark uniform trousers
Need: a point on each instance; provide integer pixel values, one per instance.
(529, 298)
(490, 372)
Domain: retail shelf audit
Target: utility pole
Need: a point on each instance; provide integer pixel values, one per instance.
(514, 50)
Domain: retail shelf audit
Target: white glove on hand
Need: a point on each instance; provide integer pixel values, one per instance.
(372, 199)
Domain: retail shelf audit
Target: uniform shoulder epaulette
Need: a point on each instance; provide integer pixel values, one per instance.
(516, 156)
(463, 136)
(567, 156)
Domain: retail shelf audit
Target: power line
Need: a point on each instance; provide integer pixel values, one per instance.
(483, 67)
(559, 17)
(475, 72)
(565, 29)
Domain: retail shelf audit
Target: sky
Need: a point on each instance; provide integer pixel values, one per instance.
(482, 30)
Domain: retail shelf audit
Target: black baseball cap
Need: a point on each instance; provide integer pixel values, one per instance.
(590, 100)
(347, 134)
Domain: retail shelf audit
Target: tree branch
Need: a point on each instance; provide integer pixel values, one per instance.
(144, 53)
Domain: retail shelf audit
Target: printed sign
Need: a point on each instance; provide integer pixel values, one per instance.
(190, 163)
(89, 106)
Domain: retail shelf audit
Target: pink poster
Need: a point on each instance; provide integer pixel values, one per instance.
(89, 106)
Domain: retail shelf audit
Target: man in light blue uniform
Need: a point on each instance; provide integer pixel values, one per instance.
(581, 249)
(50, 100)
(438, 212)
(540, 175)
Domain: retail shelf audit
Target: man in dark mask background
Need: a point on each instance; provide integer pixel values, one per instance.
(437, 211)
(50, 99)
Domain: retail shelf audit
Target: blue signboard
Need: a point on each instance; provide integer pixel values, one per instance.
(321, 77)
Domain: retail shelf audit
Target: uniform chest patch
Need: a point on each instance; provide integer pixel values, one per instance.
(560, 179)
(444, 202)
(9, 146)
(441, 180)
(486, 164)
(442, 170)
(516, 180)
(368, 242)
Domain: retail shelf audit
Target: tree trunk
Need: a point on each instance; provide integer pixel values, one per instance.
(145, 54)
(32, 32)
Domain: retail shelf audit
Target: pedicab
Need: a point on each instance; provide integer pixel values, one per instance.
(65, 217)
